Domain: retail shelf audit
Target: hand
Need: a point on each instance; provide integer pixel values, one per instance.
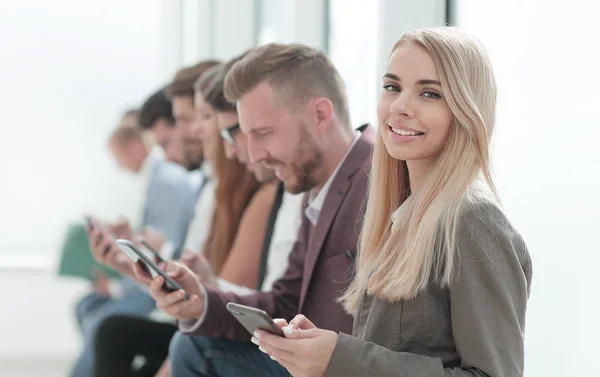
(141, 273)
(153, 238)
(300, 322)
(200, 266)
(101, 283)
(105, 251)
(173, 303)
(304, 351)
(102, 246)
(121, 229)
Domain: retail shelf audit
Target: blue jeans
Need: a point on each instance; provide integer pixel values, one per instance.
(215, 357)
(92, 311)
(87, 305)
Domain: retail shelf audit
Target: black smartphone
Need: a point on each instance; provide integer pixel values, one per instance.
(253, 319)
(138, 256)
(150, 249)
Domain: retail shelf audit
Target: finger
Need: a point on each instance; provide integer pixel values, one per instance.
(301, 322)
(178, 308)
(295, 334)
(284, 356)
(288, 359)
(280, 322)
(103, 241)
(143, 276)
(155, 287)
(105, 250)
(173, 298)
(186, 263)
(109, 256)
(274, 341)
(174, 270)
(95, 237)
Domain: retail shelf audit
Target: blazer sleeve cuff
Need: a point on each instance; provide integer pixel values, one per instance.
(191, 326)
(346, 355)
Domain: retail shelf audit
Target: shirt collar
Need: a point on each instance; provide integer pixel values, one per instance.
(316, 201)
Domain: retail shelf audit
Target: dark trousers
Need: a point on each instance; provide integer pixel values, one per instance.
(120, 339)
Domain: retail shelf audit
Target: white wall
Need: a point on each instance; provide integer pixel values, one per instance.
(292, 21)
(547, 165)
(68, 68)
(233, 28)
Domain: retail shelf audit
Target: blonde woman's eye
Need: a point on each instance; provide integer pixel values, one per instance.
(391, 88)
(431, 95)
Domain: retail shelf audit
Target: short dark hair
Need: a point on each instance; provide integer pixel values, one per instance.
(183, 82)
(156, 107)
(214, 93)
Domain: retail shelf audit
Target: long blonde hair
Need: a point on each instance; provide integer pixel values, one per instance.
(397, 263)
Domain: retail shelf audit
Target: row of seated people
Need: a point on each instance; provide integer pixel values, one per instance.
(293, 192)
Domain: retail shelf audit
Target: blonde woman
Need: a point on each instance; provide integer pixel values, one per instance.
(443, 278)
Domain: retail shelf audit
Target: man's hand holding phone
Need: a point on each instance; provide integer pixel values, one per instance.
(174, 303)
(103, 247)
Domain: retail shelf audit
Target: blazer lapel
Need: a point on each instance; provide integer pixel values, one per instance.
(333, 201)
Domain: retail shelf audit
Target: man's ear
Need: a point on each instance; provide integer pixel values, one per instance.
(323, 113)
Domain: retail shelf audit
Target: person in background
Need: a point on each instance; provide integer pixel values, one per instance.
(236, 233)
(181, 92)
(293, 109)
(156, 116)
(443, 278)
(168, 208)
(286, 213)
